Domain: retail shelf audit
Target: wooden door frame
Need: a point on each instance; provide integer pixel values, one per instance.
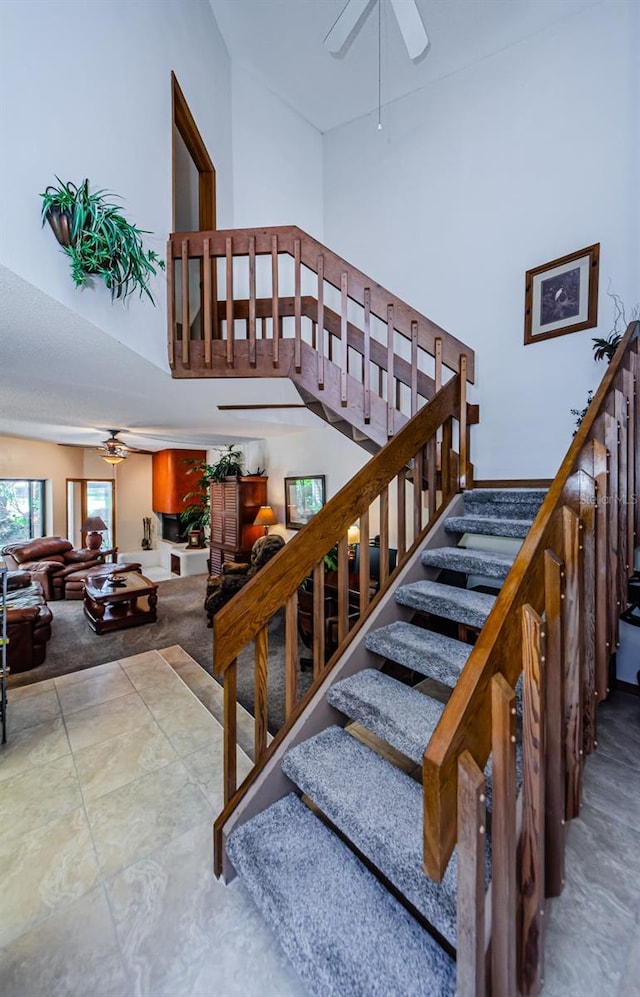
(184, 121)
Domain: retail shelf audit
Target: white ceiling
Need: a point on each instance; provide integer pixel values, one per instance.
(281, 43)
(66, 381)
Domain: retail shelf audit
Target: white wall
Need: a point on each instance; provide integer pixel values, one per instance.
(515, 161)
(91, 97)
(277, 160)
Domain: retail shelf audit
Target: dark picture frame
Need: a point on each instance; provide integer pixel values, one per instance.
(562, 296)
(304, 496)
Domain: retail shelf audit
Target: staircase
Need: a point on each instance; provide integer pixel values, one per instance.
(357, 845)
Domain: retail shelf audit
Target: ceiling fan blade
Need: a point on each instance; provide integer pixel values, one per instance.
(411, 27)
(346, 25)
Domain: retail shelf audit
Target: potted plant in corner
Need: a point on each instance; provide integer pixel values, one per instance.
(196, 515)
(99, 240)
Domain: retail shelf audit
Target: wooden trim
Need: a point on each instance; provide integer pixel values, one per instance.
(513, 483)
(503, 838)
(472, 820)
(555, 768)
(184, 121)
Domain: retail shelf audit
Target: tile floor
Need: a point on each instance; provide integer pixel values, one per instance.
(108, 788)
(109, 784)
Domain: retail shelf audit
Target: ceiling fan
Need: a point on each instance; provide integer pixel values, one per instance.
(355, 13)
(113, 449)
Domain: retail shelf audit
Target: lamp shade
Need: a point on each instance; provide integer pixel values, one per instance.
(266, 517)
(353, 535)
(92, 523)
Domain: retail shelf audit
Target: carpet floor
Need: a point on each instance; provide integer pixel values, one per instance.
(181, 620)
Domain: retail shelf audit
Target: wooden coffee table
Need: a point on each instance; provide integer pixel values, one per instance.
(129, 603)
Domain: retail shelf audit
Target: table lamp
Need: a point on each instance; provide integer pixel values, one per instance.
(91, 526)
(266, 517)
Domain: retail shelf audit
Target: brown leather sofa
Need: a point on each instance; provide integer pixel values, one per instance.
(56, 565)
(28, 622)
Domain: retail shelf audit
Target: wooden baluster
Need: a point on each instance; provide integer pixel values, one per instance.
(364, 561)
(431, 477)
(252, 301)
(531, 861)
(635, 367)
(215, 317)
(186, 328)
(261, 696)
(554, 833)
(291, 655)
(588, 608)
(384, 536)
(344, 337)
(319, 622)
(448, 483)
(503, 838)
(603, 649)
(321, 322)
(297, 307)
(401, 531)
(229, 720)
(611, 441)
(390, 369)
(462, 471)
(366, 357)
(629, 390)
(470, 966)
(208, 321)
(275, 301)
(623, 507)
(343, 589)
(414, 368)
(572, 625)
(229, 289)
(171, 306)
(418, 478)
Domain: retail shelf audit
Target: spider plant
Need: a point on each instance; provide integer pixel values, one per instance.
(99, 240)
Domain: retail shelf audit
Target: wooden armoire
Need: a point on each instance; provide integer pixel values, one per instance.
(234, 506)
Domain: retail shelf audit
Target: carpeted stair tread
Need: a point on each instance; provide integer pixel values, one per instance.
(478, 562)
(431, 654)
(499, 502)
(400, 715)
(343, 932)
(461, 605)
(492, 526)
(380, 810)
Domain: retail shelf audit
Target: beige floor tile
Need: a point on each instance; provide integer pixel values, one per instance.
(37, 797)
(206, 765)
(152, 670)
(34, 689)
(99, 723)
(168, 908)
(32, 747)
(73, 953)
(108, 668)
(96, 689)
(122, 759)
(46, 869)
(26, 711)
(158, 807)
(176, 655)
(182, 717)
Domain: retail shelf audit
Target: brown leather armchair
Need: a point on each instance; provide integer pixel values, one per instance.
(54, 562)
(28, 622)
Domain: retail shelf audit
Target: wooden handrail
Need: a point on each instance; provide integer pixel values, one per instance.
(465, 722)
(232, 243)
(235, 624)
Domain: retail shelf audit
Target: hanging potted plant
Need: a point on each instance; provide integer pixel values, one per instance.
(99, 240)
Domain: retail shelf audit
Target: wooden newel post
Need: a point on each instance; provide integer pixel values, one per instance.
(531, 846)
(472, 822)
(230, 731)
(573, 690)
(503, 839)
(555, 769)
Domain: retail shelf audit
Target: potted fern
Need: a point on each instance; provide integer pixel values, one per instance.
(99, 240)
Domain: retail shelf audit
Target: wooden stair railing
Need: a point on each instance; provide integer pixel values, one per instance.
(385, 496)
(556, 621)
(288, 292)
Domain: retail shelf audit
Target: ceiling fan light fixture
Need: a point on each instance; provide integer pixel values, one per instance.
(113, 450)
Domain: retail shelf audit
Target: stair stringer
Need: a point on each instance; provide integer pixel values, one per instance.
(272, 784)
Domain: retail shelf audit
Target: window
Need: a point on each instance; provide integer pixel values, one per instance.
(22, 511)
(90, 498)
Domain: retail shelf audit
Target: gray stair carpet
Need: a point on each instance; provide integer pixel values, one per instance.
(461, 605)
(490, 564)
(491, 526)
(379, 809)
(400, 715)
(509, 503)
(343, 932)
(431, 654)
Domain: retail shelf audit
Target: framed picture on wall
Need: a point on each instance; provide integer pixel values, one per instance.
(303, 497)
(562, 296)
